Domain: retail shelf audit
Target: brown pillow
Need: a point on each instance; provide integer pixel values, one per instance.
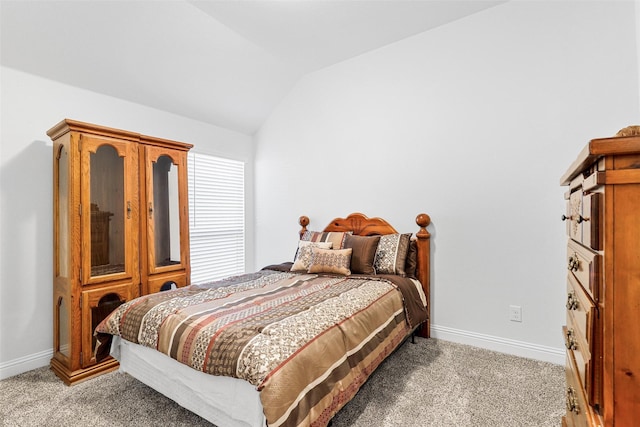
(330, 261)
(364, 253)
(412, 260)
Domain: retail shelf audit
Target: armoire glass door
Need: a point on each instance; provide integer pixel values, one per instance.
(165, 220)
(108, 209)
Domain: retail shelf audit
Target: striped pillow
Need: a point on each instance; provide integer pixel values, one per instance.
(335, 237)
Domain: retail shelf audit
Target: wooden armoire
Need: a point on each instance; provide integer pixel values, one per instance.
(120, 230)
(602, 334)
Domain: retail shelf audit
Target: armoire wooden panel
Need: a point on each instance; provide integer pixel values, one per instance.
(120, 228)
(602, 334)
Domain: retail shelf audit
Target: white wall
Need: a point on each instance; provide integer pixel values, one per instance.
(472, 123)
(30, 106)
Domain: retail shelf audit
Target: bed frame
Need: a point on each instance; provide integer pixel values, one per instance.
(231, 401)
(362, 225)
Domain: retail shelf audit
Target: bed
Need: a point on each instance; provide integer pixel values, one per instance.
(288, 345)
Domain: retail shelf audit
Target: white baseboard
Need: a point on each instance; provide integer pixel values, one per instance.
(502, 345)
(26, 363)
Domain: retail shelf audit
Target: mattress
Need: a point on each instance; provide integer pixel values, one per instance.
(223, 401)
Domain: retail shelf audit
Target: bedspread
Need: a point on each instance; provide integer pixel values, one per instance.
(307, 342)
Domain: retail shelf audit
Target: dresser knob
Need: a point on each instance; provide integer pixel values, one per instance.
(581, 219)
(572, 401)
(564, 217)
(574, 263)
(570, 341)
(572, 301)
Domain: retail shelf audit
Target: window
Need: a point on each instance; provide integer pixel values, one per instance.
(216, 217)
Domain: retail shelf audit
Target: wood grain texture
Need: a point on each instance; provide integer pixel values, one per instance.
(606, 373)
(78, 286)
(361, 225)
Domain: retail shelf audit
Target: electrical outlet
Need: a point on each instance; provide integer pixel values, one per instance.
(515, 313)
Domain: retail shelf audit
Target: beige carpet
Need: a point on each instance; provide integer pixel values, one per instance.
(430, 383)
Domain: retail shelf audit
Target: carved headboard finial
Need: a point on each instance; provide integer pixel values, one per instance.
(303, 221)
(423, 220)
(629, 131)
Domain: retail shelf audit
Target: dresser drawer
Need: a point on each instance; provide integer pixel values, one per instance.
(578, 411)
(586, 266)
(584, 330)
(578, 347)
(581, 308)
(584, 218)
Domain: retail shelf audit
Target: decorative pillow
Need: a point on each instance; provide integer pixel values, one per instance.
(391, 254)
(364, 252)
(330, 261)
(335, 237)
(412, 260)
(303, 256)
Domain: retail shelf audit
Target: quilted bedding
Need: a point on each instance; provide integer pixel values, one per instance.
(307, 342)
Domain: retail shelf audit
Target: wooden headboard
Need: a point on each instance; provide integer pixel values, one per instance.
(362, 225)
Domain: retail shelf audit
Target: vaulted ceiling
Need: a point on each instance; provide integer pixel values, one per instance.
(226, 63)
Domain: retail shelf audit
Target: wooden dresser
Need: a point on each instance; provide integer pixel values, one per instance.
(602, 333)
(120, 228)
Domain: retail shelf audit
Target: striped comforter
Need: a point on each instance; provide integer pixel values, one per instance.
(307, 342)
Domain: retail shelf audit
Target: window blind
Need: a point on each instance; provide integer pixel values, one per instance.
(216, 217)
